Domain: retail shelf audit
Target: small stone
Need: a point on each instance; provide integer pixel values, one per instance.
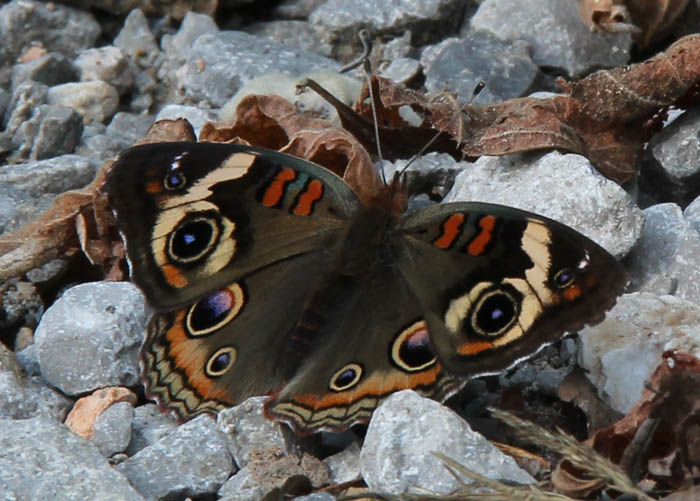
(63, 29)
(293, 34)
(691, 213)
(50, 69)
(666, 259)
(401, 70)
(96, 100)
(129, 127)
(54, 175)
(26, 97)
(42, 459)
(195, 116)
(24, 398)
(406, 429)
(345, 465)
(193, 26)
(554, 30)
(53, 130)
(241, 487)
(426, 19)
(108, 64)
(208, 78)
(149, 426)
(245, 428)
(90, 337)
(596, 207)
(112, 431)
(620, 354)
(136, 40)
(459, 64)
(20, 304)
(671, 172)
(87, 410)
(191, 461)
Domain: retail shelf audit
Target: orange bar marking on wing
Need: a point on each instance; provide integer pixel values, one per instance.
(478, 245)
(305, 204)
(275, 191)
(474, 348)
(451, 229)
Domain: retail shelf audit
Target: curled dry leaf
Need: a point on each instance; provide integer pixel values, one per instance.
(270, 121)
(78, 220)
(649, 20)
(607, 117)
(663, 425)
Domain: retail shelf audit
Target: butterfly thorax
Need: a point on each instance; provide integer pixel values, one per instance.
(364, 243)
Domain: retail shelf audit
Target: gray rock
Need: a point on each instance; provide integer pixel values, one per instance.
(108, 64)
(24, 398)
(191, 461)
(20, 304)
(149, 426)
(316, 496)
(691, 213)
(52, 130)
(112, 432)
(401, 70)
(136, 40)
(671, 172)
(177, 47)
(241, 487)
(345, 465)
(28, 359)
(666, 259)
(26, 97)
(90, 337)
(195, 116)
(50, 69)
(621, 353)
(42, 459)
(461, 63)
(54, 175)
(208, 78)
(295, 9)
(563, 187)
(428, 20)
(245, 429)
(102, 147)
(293, 34)
(555, 32)
(63, 29)
(18, 208)
(4, 102)
(404, 432)
(95, 100)
(129, 127)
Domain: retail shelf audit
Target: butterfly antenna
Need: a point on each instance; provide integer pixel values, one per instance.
(477, 89)
(363, 60)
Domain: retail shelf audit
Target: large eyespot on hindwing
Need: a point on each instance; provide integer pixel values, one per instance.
(411, 351)
(221, 361)
(215, 310)
(346, 377)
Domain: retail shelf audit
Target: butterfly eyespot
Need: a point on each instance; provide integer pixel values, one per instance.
(411, 350)
(494, 313)
(346, 377)
(174, 180)
(193, 239)
(214, 311)
(564, 278)
(221, 361)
